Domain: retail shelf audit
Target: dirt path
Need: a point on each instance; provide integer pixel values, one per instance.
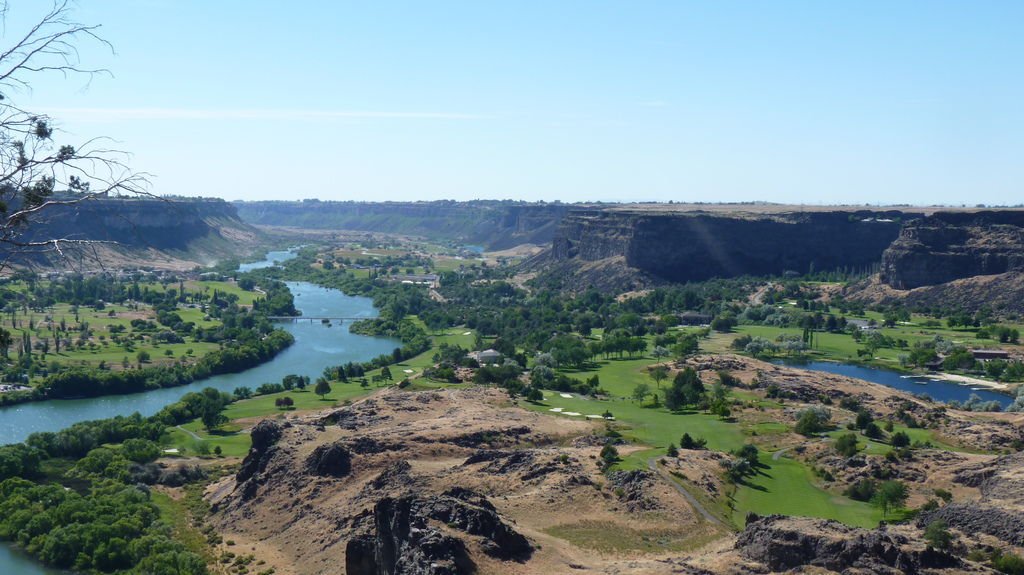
(652, 463)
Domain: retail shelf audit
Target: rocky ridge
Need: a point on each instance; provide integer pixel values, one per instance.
(434, 483)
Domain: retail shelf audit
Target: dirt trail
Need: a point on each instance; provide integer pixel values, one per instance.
(652, 463)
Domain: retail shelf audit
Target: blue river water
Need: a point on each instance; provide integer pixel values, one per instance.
(316, 346)
(936, 389)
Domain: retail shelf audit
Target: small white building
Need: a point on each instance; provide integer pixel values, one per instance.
(486, 356)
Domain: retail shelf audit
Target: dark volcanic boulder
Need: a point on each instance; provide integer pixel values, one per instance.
(403, 541)
(264, 436)
(331, 460)
(403, 544)
(471, 512)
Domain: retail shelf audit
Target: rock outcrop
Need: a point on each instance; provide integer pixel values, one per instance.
(948, 246)
(331, 460)
(782, 543)
(999, 511)
(403, 544)
(403, 540)
(265, 436)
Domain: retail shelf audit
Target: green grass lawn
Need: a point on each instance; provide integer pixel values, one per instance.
(226, 287)
(788, 487)
(873, 447)
(784, 486)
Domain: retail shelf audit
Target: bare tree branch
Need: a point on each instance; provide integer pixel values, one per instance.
(38, 175)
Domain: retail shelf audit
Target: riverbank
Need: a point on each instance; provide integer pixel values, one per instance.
(315, 348)
(963, 379)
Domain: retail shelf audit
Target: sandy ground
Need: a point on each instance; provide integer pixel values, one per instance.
(970, 380)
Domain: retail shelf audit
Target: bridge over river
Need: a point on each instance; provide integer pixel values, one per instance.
(297, 318)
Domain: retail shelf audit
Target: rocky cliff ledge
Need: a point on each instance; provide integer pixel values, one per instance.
(948, 246)
(181, 232)
(685, 246)
(495, 225)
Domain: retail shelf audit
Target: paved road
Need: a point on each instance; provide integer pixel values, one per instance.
(194, 436)
(652, 463)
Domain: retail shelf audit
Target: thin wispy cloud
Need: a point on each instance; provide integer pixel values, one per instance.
(159, 114)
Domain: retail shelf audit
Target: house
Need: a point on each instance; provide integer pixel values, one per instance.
(486, 356)
(990, 354)
(861, 324)
(694, 318)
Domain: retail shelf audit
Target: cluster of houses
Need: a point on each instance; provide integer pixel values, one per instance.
(429, 280)
(981, 355)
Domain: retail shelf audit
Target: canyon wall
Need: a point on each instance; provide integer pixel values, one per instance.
(494, 225)
(694, 245)
(183, 229)
(949, 246)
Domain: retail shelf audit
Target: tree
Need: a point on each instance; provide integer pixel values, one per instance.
(385, 372)
(658, 373)
(609, 456)
(812, 420)
(748, 452)
(534, 395)
(863, 418)
(672, 451)
(140, 450)
(846, 445)
(724, 323)
(212, 415)
(41, 179)
(284, 402)
(687, 345)
(937, 534)
(900, 439)
(688, 442)
(890, 495)
(641, 391)
(322, 387)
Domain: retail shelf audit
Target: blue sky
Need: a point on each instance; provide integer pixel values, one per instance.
(801, 102)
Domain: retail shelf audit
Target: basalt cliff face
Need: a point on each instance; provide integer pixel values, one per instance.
(951, 246)
(495, 225)
(695, 245)
(177, 232)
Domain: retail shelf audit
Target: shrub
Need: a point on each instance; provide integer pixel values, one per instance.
(846, 445)
(900, 439)
(863, 490)
(813, 420)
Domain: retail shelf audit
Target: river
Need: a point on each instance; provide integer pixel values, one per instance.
(936, 389)
(316, 346)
